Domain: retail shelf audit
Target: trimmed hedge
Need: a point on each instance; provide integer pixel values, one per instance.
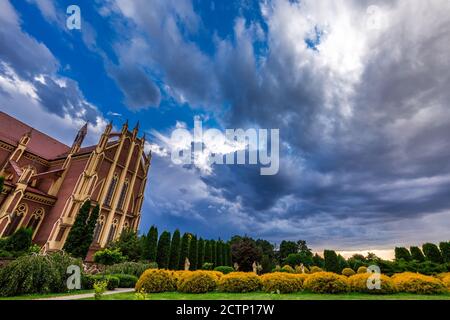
(362, 269)
(132, 268)
(126, 280)
(326, 282)
(224, 269)
(358, 283)
(287, 268)
(198, 282)
(154, 280)
(418, 283)
(240, 282)
(280, 282)
(315, 269)
(88, 281)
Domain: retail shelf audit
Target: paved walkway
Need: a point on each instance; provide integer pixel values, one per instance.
(86, 295)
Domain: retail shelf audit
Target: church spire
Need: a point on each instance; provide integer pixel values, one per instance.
(79, 138)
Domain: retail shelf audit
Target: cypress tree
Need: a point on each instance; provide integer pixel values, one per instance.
(163, 250)
(208, 254)
(432, 253)
(331, 261)
(74, 244)
(445, 250)
(213, 252)
(89, 235)
(174, 260)
(402, 253)
(150, 244)
(193, 253)
(416, 254)
(230, 257)
(225, 255)
(219, 253)
(184, 250)
(201, 253)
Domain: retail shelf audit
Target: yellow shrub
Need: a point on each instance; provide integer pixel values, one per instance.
(362, 269)
(315, 269)
(446, 281)
(288, 268)
(239, 282)
(358, 283)
(441, 276)
(326, 282)
(282, 282)
(417, 283)
(198, 282)
(348, 272)
(154, 280)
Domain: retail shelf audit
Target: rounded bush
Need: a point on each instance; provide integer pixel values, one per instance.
(240, 282)
(446, 281)
(132, 268)
(348, 272)
(417, 283)
(358, 283)
(326, 282)
(287, 268)
(154, 280)
(112, 282)
(362, 269)
(126, 280)
(198, 282)
(315, 269)
(281, 282)
(224, 269)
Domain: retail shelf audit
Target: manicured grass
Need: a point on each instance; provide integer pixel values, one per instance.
(49, 295)
(268, 296)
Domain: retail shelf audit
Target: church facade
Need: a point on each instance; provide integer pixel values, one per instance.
(46, 182)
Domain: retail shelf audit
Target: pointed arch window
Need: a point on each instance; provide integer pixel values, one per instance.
(112, 231)
(98, 228)
(35, 220)
(15, 219)
(123, 194)
(111, 189)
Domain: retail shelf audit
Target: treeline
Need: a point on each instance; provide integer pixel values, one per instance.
(170, 251)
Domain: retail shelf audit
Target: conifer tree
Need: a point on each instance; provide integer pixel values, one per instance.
(416, 254)
(150, 244)
(432, 253)
(184, 250)
(214, 253)
(225, 254)
(193, 253)
(76, 238)
(331, 261)
(163, 250)
(201, 253)
(219, 253)
(445, 250)
(208, 255)
(89, 234)
(174, 260)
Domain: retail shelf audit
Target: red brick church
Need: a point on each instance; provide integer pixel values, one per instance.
(46, 182)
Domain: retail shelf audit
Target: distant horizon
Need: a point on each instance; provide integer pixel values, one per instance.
(357, 89)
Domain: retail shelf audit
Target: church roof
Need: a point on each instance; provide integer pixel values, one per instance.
(11, 130)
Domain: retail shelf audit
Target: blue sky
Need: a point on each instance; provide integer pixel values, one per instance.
(358, 92)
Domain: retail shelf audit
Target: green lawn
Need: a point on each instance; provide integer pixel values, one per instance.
(268, 296)
(38, 296)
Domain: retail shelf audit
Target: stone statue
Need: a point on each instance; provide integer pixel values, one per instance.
(236, 266)
(187, 264)
(255, 267)
(302, 267)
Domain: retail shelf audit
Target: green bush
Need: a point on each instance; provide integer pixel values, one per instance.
(126, 280)
(362, 269)
(287, 268)
(108, 256)
(88, 281)
(153, 280)
(132, 268)
(315, 269)
(224, 269)
(36, 274)
(326, 282)
(17, 244)
(240, 282)
(198, 282)
(208, 266)
(348, 272)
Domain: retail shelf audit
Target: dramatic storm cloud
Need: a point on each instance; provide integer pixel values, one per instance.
(358, 90)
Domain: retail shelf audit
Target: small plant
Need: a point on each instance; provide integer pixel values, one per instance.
(100, 289)
(208, 266)
(141, 295)
(224, 269)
